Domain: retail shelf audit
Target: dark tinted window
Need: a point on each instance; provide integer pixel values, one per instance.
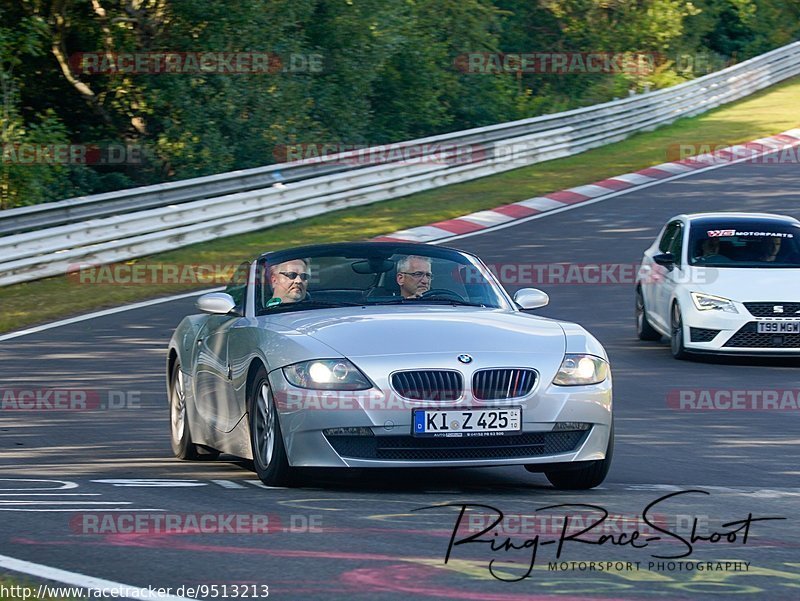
(666, 238)
(744, 243)
(676, 244)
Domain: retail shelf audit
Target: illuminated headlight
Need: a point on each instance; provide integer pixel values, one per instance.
(326, 374)
(707, 302)
(581, 370)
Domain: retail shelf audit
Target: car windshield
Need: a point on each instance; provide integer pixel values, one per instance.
(745, 243)
(372, 274)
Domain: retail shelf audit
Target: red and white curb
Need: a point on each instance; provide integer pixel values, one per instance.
(524, 210)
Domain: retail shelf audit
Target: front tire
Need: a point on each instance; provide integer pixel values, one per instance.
(266, 440)
(676, 341)
(644, 330)
(180, 437)
(586, 477)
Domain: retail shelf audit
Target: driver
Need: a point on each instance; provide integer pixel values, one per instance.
(414, 276)
(770, 249)
(711, 253)
(289, 281)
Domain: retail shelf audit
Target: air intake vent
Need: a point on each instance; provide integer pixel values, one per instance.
(428, 385)
(500, 384)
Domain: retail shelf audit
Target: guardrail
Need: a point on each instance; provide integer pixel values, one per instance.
(51, 238)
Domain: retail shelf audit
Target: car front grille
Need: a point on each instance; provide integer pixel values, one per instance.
(702, 334)
(768, 309)
(428, 385)
(501, 384)
(749, 337)
(409, 448)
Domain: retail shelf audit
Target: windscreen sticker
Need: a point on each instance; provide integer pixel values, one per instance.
(720, 233)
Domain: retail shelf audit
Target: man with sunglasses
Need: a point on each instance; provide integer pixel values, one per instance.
(289, 281)
(414, 276)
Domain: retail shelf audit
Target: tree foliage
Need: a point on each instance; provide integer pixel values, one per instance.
(351, 72)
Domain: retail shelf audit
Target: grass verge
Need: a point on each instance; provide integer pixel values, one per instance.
(768, 112)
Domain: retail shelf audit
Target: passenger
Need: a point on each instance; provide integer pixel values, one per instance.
(770, 249)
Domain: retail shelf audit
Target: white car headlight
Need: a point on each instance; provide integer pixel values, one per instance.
(708, 302)
(581, 370)
(326, 374)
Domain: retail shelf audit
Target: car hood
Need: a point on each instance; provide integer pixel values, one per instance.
(399, 330)
(748, 285)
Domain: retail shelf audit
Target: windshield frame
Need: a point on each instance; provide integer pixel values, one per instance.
(379, 250)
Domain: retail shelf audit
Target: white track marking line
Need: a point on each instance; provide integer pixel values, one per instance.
(103, 509)
(50, 494)
(56, 502)
(66, 484)
(81, 580)
(228, 484)
(79, 318)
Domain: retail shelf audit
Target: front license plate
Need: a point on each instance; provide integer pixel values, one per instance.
(467, 422)
(779, 327)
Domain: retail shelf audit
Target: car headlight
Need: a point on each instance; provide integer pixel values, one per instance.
(581, 370)
(326, 374)
(708, 302)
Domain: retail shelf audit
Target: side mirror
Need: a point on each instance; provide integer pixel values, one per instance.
(531, 298)
(665, 260)
(216, 303)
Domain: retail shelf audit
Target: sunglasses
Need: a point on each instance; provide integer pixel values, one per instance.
(294, 275)
(418, 275)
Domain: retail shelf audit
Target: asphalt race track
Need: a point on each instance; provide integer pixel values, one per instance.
(73, 482)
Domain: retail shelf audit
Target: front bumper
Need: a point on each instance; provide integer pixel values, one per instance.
(734, 333)
(391, 444)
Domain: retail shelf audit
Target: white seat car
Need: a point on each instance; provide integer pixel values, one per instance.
(722, 283)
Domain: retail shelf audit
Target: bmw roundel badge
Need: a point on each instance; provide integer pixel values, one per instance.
(465, 358)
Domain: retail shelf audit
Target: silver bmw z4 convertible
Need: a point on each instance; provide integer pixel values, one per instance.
(380, 354)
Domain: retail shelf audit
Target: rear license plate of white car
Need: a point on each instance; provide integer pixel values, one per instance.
(779, 327)
(466, 422)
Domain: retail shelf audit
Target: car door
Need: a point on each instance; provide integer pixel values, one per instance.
(653, 282)
(213, 370)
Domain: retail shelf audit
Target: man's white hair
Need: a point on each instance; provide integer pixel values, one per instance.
(404, 264)
(273, 269)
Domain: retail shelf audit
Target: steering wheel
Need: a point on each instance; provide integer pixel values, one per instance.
(444, 293)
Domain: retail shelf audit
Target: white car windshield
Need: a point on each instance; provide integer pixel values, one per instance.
(368, 274)
(745, 243)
